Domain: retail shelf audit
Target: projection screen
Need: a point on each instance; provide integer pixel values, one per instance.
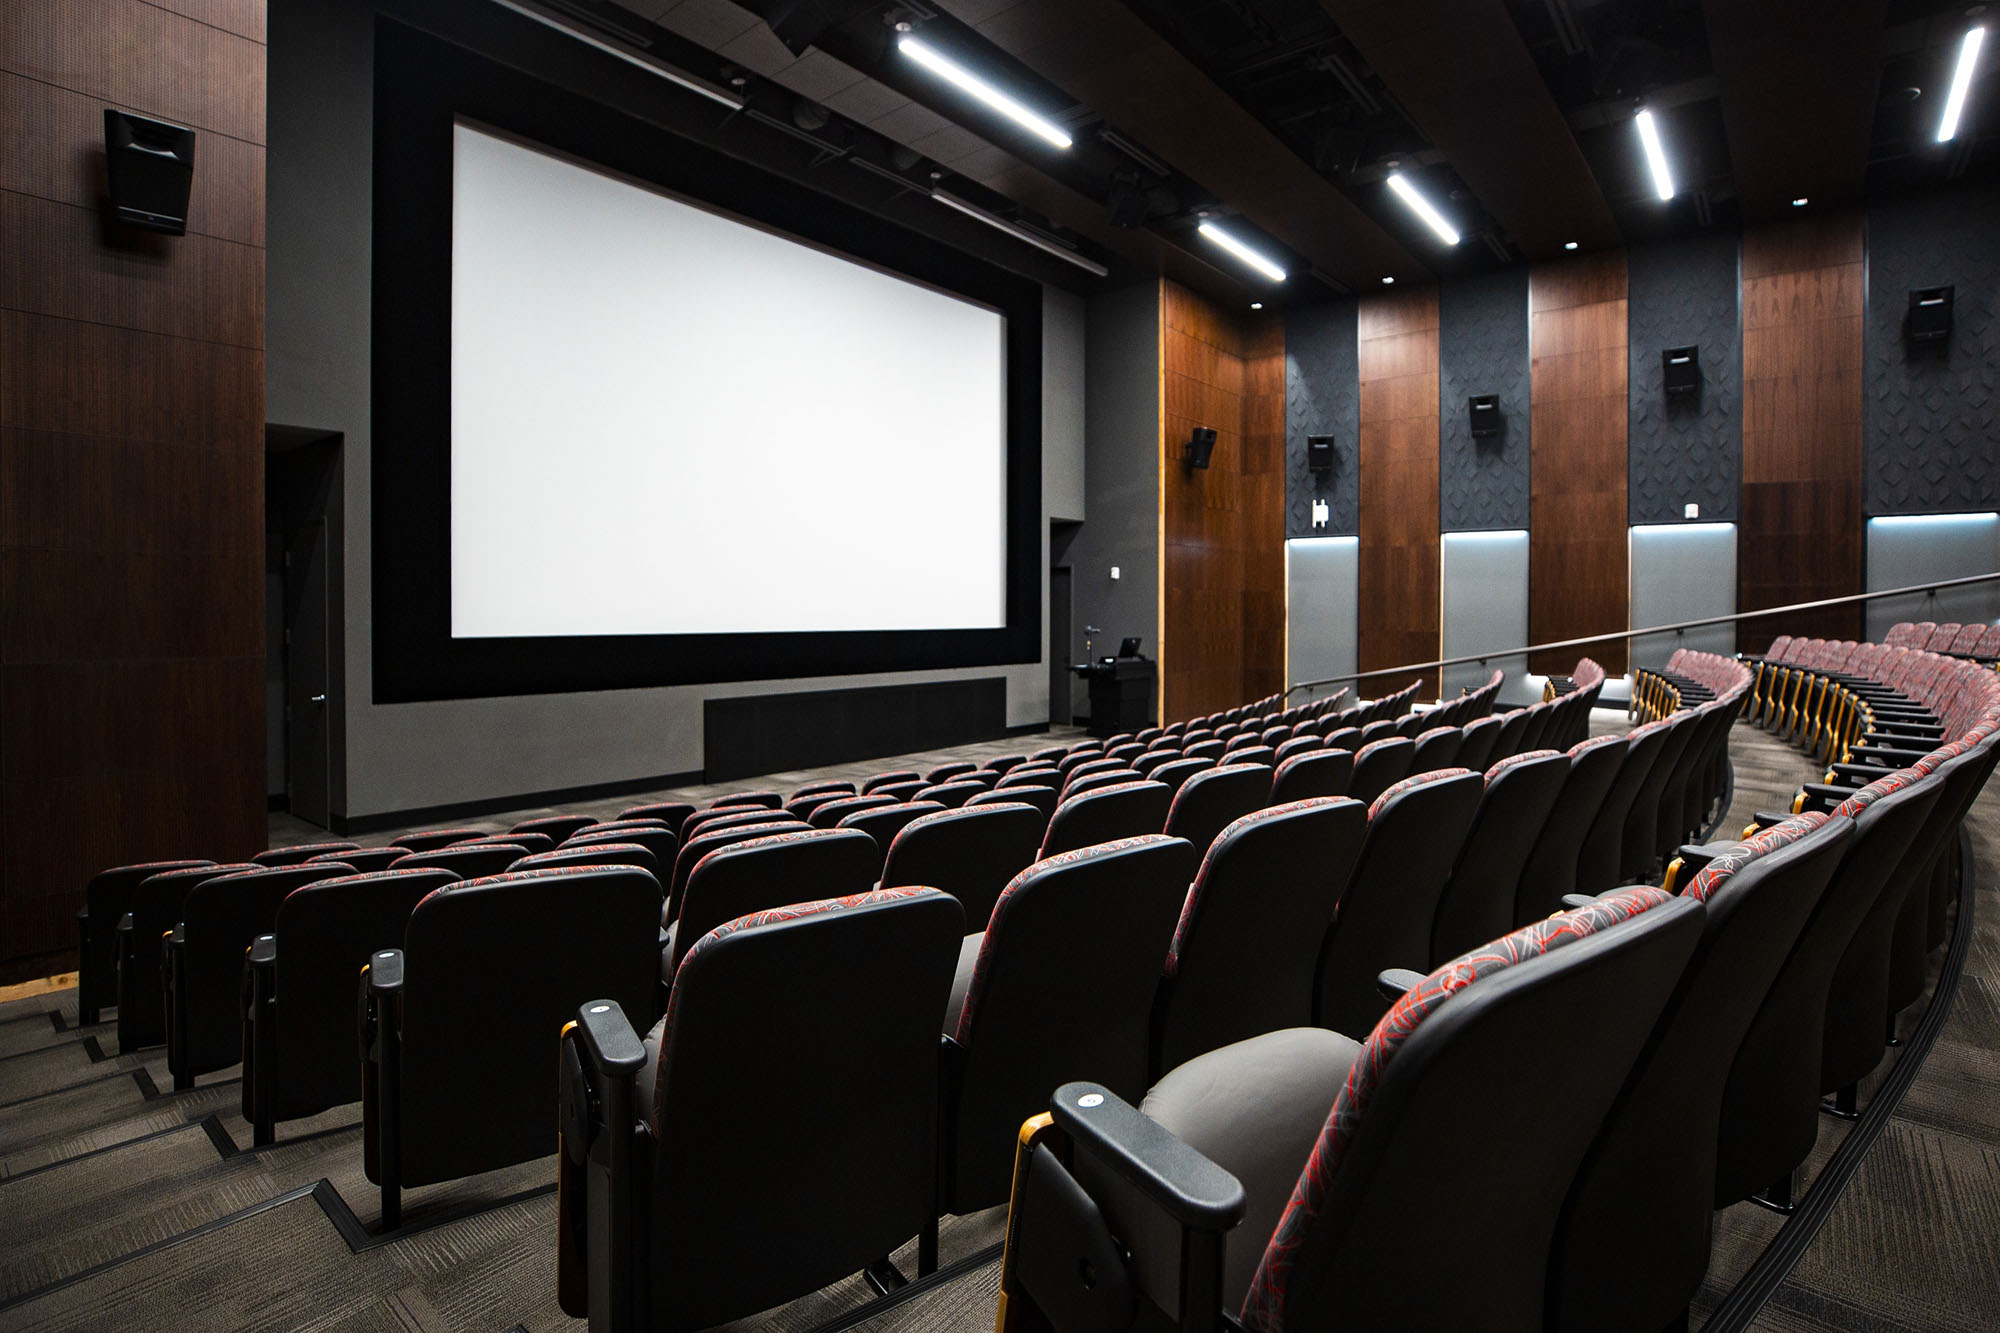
(669, 421)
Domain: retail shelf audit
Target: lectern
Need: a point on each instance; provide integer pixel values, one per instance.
(1121, 691)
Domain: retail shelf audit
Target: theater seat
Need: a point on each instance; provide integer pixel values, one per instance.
(467, 860)
(951, 795)
(971, 854)
(1246, 951)
(1080, 783)
(299, 1056)
(758, 874)
(947, 771)
(830, 814)
(1124, 810)
(1477, 903)
(608, 853)
(1320, 773)
(884, 822)
(1477, 743)
(1550, 870)
(1380, 765)
(694, 849)
(675, 1213)
(1386, 911)
(662, 844)
(424, 840)
(730, 816)
(1042, 799)
(803, 804)
(1307, 744)
(1353, 1168)
(365, 860)
(203, 963)
(106, 900)
(1062, 979)
(892, 776)
(1597, 860)
(1209, 802)
(557, 827)
(1436, 748)
(527, 842)
(156, 910)
(670, 813)
(291, 856)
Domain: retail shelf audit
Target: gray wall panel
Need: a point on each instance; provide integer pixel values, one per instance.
(1483, 582)
(1906, 550)
(1683, 571)
(1322, 397)
(1121, 473)
(1483, 348)
(1933, 425)
(1688, 449)
(1321, 576)
(1063, 358)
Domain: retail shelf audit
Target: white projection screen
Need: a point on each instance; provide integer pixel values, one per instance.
(668, 421)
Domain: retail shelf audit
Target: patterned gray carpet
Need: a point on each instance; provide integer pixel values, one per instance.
(122, 1207)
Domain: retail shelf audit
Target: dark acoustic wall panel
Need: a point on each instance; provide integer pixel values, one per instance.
(776, 733)
(1800, 537)
(1222, 598)
(1933, 414)
(1482, 349)
(1397, 617)
(131, 463)
(1322, 397)
(1577, 542)
(1688, 448)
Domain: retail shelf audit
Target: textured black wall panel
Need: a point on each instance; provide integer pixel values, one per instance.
(1933, 415)
(1483, 348)
(775, 733)
(1689, 447)
(1322, 397)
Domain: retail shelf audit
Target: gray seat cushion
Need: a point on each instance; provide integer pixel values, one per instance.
(961, 981)
(1256, 1109)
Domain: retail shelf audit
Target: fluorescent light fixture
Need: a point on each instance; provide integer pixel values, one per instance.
(678, 77)
(954, 73)
(1800, 202)
(1256, 305)
(1388, 280)
(1961, 82)
(1499, 537)
(1017, 231)
(1242, 251)
(1685, 527)
(1933, 520)
(1569, 245)
(1421, 206)
(1656, 156)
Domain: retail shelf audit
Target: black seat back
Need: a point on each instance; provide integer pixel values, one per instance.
(1042, 799)
(1597, 859)
(695, 848)
(661, 843)
(1436, 748)
(557, 827)
(1638, 848)
(830, 814)
(771, 1019)
(1319, 773)
(1653, 1162)
(884, 822)
(1064, 982)
(1386, 911)
(1513, 726)
(773, 871)
(493, 968)
(1125, 810)
(1380, 765)
(1550, 870)
(730, 816)
(1178, 771)
(1247, 948)
(970, 853)
(424, 840)
(326, 932)
(1210, 802)
(365, 860)
(1079, 783)
(593, 853)
(155, 909)
(1478, 741)
(467, 862)
(1541, 717)
(108, 896)
(1477, 904)
(279, 857)
(671, 813)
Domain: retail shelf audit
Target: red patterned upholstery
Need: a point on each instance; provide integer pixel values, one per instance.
(1410, 784)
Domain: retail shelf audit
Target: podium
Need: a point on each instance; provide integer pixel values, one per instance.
(1121, 694)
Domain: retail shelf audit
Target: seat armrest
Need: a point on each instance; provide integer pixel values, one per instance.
(173, 947)
(1188, 1188)
(1890, 756)
(1822, 796)
(1572, 901)
(260, 1037)
(263, 950)
(381, 1032)
(1397, 982)
(1764, 819)
(1860, 774)
(600, 1126)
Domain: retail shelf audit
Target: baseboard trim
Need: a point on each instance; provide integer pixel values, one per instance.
(487, 805)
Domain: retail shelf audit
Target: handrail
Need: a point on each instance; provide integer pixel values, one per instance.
(1673, 628)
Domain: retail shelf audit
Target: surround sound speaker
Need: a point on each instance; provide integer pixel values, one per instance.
(1483, 411)
(1319, 453)
(1930, 314)
(1681, 367)
(1200, 446)
(149, 166)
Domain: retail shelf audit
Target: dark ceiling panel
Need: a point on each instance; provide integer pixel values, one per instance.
(1798, 80)
(1462, 73)
(1108, 59)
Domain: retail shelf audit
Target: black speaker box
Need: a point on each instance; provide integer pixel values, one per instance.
(1682, 369)
(1200, 446)
(1930, 314)
(1319, 453)
(1483, 411)
(150, 168)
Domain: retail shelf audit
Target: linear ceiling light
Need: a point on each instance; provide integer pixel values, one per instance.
(678, 77)
(1421, 206)
(1961, 82)
(1017, 231)
(1242, 252)
(1656, 156)
(954, 73)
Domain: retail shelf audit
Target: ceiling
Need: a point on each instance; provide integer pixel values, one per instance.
(1281, 119)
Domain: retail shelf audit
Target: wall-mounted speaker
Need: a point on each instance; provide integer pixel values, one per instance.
(1319, 453)
(1483, 411)
(150, 168)
(1930, 314)
(1682, 369)
(1199, 447)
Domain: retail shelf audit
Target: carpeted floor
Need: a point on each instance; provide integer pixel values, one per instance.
(125, 1207)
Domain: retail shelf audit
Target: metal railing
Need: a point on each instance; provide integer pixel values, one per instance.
(1674, 627)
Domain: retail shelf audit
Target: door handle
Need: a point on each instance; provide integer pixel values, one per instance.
(319, 698)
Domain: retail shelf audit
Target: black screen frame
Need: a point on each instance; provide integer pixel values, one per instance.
(423, 87)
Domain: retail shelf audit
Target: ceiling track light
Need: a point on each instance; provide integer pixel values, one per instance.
(1656, 156)
(680, 78)
(1961, 82)
(1259, 262)
(942, 65)
(1018, 232)
(1422, 207)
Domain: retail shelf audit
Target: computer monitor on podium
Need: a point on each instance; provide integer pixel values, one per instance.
(1130, 647)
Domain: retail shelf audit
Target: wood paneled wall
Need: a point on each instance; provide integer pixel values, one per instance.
(1397, 620)
(1222, 529)
(1804, 286)
(131, 462)
(1577, 536)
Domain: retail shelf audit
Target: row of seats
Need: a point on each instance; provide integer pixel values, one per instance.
(1664, 1054)
(1977, 640)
